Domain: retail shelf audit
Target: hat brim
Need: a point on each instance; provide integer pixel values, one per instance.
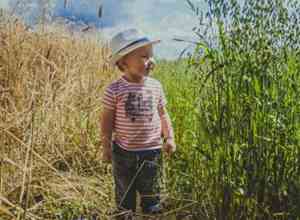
(116, 57)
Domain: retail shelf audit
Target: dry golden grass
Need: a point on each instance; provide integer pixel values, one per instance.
(51, 83)
(50, 98)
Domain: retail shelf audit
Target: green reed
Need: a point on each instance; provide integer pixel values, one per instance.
(236, 112)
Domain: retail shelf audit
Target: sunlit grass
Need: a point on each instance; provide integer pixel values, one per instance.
(50, 90)
(235, 113)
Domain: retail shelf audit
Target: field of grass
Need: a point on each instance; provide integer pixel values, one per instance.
(236, 114)
(236, 110)
(242, 179)
(50, 94)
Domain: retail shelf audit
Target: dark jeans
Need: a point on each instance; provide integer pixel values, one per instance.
(136, 172)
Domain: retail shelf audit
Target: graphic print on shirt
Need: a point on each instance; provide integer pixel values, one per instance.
(139, 105)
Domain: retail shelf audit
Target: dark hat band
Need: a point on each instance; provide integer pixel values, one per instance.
(133, 43)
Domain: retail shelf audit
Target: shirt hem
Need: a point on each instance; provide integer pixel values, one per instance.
(140, 148)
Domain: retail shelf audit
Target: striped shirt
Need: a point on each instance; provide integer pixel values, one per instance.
(137, 124)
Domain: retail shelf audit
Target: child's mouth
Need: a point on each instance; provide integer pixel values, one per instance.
(149, 68)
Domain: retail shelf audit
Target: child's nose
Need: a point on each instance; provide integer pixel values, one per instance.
(150, 62)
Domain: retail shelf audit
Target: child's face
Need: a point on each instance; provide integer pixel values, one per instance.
(139, 62)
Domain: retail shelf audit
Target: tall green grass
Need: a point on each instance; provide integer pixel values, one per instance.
(236, 111)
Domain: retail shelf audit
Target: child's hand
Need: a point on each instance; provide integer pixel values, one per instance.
(170, 146)
(106, 155)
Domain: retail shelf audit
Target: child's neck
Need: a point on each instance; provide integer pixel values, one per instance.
(134, 79)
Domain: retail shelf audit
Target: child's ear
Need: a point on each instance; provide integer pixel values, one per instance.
(122, 65)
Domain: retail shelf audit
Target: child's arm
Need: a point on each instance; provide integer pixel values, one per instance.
(167, 130)
(106, 121)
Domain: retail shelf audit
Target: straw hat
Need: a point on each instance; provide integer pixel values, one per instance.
(127, 41)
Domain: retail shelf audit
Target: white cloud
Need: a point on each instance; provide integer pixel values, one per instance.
(163, 19)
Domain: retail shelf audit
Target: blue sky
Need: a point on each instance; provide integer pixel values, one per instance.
(163, 19)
